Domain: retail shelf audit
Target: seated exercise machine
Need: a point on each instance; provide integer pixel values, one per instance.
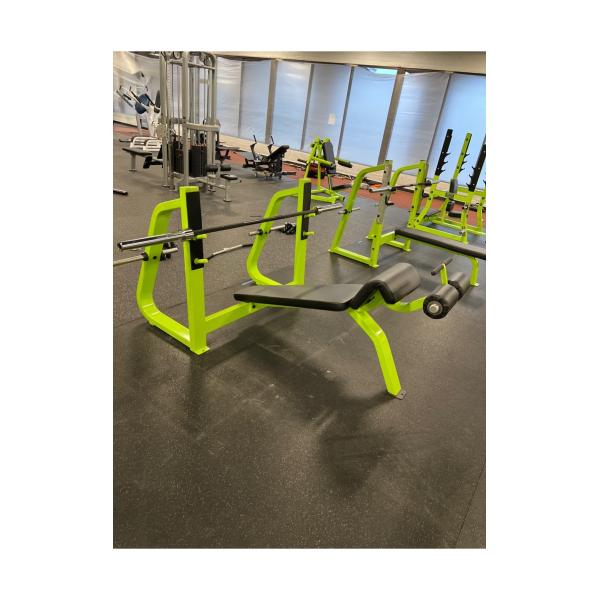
(388, 288)
(322, 163)
(144, 146)
(270, 165)
(142, 105)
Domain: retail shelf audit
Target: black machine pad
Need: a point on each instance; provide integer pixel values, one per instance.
(137, 151)
(441, 242)
(323, 297)
(279, 152)
(393, 283)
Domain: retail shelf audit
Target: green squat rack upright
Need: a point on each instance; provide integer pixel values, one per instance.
(323, 160)
(445, 216)
(376, 235)
(388, 288)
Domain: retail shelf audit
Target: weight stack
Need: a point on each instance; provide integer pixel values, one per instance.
(197, 160)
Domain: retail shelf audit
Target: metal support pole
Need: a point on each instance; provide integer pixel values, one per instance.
(307, 104)
(339, 149)
(239, 129)
(164, 117)
(211, 101)
(391, 117)
(271, 99)
(185, 104)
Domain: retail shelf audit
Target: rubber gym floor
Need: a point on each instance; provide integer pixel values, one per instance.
(282, 435)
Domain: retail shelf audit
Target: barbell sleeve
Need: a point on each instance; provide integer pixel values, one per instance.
(152, 240)
(142, 256)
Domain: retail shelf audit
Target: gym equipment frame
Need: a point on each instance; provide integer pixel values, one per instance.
(465, 195)
(188, 121)
(322, 155)
(387, 288)
(376, 235)
(389, 185)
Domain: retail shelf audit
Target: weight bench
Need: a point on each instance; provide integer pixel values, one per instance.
(134, 153)
(388, 288)
(441, 242)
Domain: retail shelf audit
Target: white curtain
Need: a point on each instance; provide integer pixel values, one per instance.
(326, 105)
(290, 102)
(420, 103)
(367, 114)
(229, 73)
(254, 97)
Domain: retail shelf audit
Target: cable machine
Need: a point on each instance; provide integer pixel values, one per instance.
(188, 125)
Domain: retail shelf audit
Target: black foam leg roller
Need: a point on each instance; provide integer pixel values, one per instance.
(438, 304)
(461, 281)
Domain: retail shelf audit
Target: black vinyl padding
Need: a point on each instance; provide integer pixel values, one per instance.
(441, 242)
(461, 281)
(393, 284)
(137, 151)
(329, 156)
(279, 152)
(323, 297)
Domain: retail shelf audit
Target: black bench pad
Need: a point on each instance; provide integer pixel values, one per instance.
(442, 242)
(137, 151)
(393, 284)
(322, 297)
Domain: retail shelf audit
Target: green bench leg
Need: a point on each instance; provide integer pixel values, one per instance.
(384, 353)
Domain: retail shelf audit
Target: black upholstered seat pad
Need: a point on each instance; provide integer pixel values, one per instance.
(138, 152)
(441, 242)
(323, 297)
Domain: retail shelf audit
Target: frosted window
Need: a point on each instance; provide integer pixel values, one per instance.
(463, 111)
(254, 98)
(326, 106)
(367, 114)
(290, 102)
(418, 111)
(229, 73)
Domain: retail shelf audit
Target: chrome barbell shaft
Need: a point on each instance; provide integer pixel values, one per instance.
(189, 234)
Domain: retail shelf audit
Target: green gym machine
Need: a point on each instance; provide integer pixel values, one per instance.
(418, 208)
(388, 288)
(323, 159)
(376, 235)
(470, 196)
